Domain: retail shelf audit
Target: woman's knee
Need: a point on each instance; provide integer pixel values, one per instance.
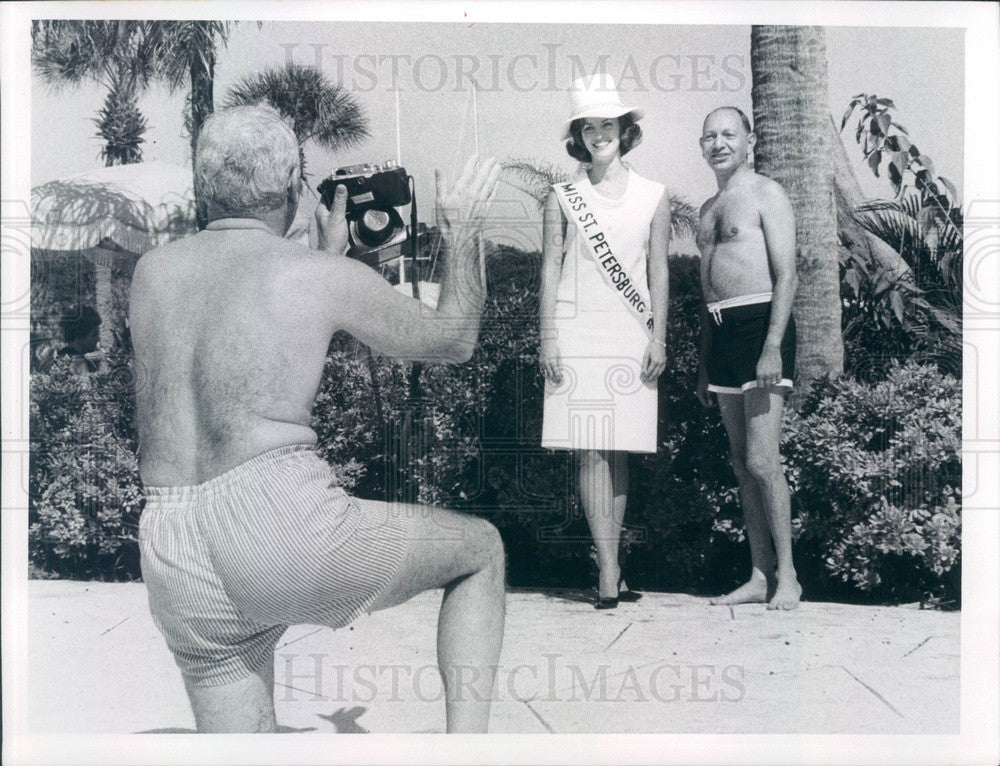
(763, 466)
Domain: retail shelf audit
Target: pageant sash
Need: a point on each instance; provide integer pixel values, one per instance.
(593, 236)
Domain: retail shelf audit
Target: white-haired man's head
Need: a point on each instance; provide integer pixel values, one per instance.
(246, 163)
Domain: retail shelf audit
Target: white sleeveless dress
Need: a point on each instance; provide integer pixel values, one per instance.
(601, 403)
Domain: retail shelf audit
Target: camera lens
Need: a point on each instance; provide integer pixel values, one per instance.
(375, 220)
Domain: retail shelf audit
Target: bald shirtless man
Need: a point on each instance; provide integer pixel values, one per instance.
(746, 235)
(244, 531)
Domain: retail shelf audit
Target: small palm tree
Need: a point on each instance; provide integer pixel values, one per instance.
(318, 110)
(921, 308)
(120, 56)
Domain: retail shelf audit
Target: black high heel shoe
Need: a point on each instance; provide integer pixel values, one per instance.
(626, 596)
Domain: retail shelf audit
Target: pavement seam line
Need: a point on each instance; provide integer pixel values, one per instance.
(304, 691)
(113, 627)
(615, 639)
(541, 720)
(289, 643)
(883, 699)
(918, 646)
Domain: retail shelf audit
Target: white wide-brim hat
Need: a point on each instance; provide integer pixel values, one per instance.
(596, 96)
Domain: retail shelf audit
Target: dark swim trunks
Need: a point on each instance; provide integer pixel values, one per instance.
(739, 329)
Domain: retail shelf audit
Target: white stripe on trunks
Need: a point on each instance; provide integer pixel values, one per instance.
(715, 308)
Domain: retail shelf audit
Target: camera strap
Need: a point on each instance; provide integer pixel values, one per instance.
(600, 244)
(414, 239)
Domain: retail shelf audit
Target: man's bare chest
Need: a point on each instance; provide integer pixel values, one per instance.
(728, 219)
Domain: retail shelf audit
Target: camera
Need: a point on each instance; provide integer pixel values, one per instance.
(375, 193)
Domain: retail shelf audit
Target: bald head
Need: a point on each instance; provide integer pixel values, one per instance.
(744, 120)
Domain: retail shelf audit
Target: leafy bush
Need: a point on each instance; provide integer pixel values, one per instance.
(84, 490)
(875, 470)
(874, 467)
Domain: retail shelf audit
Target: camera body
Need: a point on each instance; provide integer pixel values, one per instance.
(375, 192)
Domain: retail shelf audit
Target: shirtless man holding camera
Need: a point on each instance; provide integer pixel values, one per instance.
(244, 531)
(746, 235)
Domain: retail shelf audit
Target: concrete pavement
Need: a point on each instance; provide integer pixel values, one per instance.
(667, 664)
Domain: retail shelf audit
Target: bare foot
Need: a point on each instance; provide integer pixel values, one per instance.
(754, 591)
(787, 594)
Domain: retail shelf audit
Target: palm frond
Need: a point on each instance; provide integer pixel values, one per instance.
(179, 43)
(533, 177)
(683, 216)
(317, 108)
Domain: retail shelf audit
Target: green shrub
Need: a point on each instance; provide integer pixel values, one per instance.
(874, 467)
(874, 470)
(84, 490)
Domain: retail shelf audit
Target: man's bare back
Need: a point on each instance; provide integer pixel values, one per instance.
(230, 329)
(734, 259)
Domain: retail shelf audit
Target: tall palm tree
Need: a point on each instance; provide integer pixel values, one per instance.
(186, 52)
(317, 109)
(791, 119)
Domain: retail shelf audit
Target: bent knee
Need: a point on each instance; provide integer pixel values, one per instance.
(490, 544)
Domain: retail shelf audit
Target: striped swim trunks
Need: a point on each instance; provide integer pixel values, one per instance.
(231, 563)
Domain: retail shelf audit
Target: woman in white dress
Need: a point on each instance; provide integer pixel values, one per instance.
(603, 307)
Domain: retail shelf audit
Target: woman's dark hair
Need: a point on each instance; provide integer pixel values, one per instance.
(629, 134)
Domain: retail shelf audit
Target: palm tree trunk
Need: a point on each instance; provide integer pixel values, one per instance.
(793, 148)
(202, 105)
(103, 299)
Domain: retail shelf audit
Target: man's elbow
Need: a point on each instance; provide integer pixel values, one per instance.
(463, 353)
(452, 352)
(789, 278)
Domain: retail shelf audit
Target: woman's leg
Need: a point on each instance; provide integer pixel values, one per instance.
(619, 484)
(597, 495)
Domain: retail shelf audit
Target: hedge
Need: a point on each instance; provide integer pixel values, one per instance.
(874, 466)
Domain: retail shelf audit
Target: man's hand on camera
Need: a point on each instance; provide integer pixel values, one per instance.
(460, 209)
(331, 225)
